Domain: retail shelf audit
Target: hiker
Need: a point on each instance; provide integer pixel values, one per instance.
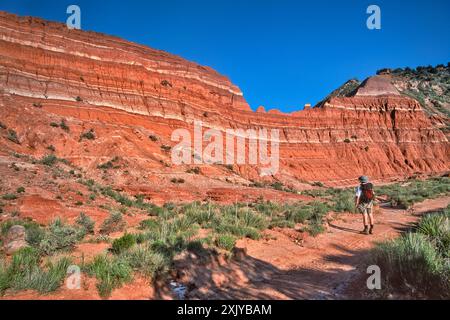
(364, 203)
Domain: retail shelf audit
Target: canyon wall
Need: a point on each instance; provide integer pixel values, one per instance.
(127, 92)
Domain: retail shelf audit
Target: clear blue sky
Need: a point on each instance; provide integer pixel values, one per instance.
(282, 54)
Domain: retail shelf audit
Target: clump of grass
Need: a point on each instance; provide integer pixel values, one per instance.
(60, 236)
(406, 194)
(146, 261)
(344, 201)
(9, 196)
(123, 243)
(89, 135)
(226, 241)
(113, 223)
(64, 126)
(109, 164)
(25, 272)
(417, 264)
(49, 160)
(86, 223)
(20, 190)
(12, 136)
(166, 148)
(195, 170)
(110, 272)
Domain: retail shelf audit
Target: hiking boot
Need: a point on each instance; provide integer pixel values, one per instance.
(366, 230)
(371, 229)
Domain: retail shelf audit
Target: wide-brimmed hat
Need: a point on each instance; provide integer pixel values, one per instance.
(363, 179)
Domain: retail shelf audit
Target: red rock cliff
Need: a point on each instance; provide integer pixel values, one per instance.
(126, 92)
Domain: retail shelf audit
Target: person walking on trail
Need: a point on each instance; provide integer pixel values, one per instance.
(364, 197)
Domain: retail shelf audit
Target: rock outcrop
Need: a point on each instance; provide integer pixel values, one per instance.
(15, 239)
(126, 92)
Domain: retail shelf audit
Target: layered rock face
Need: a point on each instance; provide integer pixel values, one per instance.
(127, 92)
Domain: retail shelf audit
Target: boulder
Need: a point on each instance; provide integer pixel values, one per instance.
(15, 239)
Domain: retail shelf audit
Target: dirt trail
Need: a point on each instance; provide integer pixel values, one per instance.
(324, 267)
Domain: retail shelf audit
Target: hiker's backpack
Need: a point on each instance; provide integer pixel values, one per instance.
(367, 194)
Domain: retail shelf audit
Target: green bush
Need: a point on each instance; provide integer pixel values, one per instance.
(49, 160)
(9, 196)
(90, 135)
(411, 264)
(111, 273)
(64, 126)
(143, 259)
(226, 241)
(25, 273)
(86, 223)
(113, 223)
(123, 243)
(12, 136)
(20, 190)
(60, 236)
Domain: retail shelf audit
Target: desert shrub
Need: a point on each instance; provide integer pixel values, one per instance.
(113, 223)
(344, 202)
(51, 148)
(123, 243)
(281, 223)
(144, 260)
(49, 160)
(317, 184)
(347, 140)
(166, 148)
(9, 196)
(64, 126)
(86, 223)
(153, 138)
(111, 273)
(109, 164)
(406, 194)
(166, 83)
(2, 126)
(315, 228)
(20, 190)
(277, 186)
(195, 170)
(89, 135)
(177, 180)
(12, 136)
(200, 215)
(78, 99)
(411, 264)
(54, 125)
(149, 224)
(226, 241)
(60, 236)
